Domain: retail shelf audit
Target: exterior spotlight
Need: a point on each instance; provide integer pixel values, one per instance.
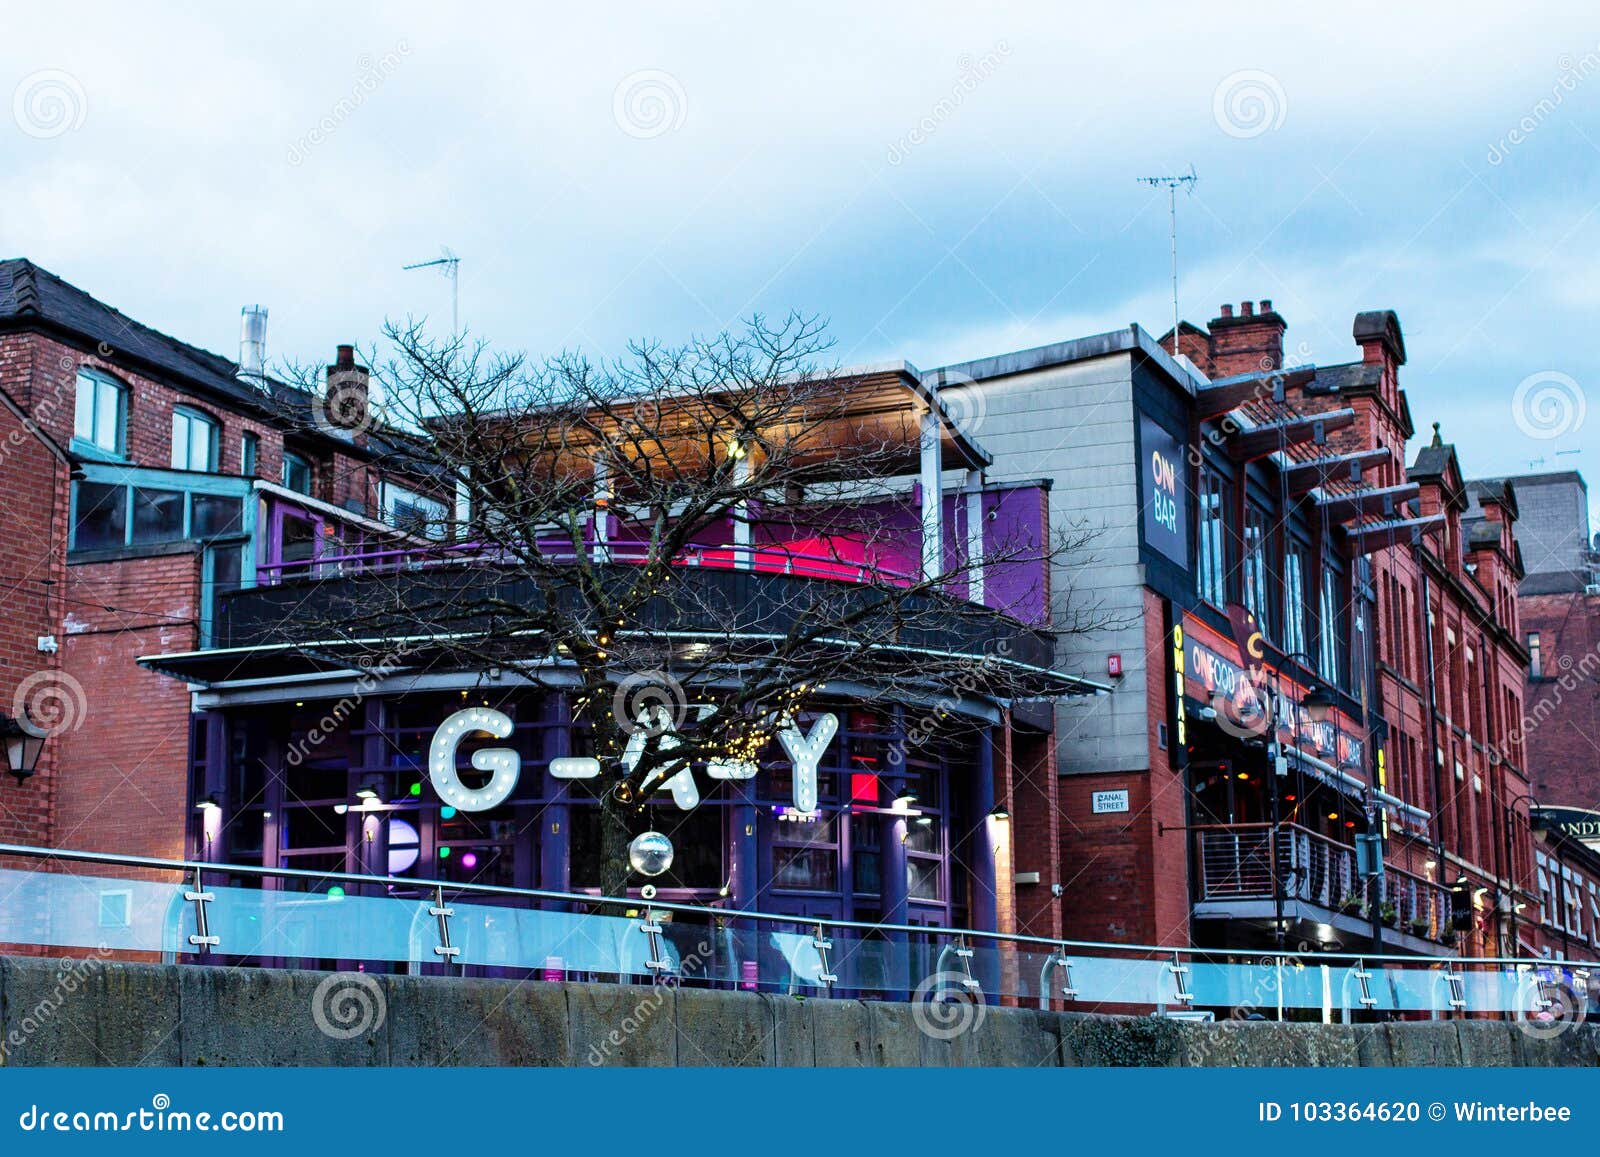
(999, 812)
(1317, 703)
(210, 804)
(24, 743)
(905, 799)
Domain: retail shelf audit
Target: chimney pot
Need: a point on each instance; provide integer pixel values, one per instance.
(1227, 311)
(1266, 305)
(1247, 309)
(347, 357)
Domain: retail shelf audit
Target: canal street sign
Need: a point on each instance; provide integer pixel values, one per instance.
(504, 765)
(1109, 801)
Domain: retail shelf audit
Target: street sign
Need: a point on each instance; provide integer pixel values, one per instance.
(1109, 801)
(1369, 856)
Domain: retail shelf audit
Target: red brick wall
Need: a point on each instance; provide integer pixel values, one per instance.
(124, 788)
(1561, 714)
(32, 574)
(1125, 877)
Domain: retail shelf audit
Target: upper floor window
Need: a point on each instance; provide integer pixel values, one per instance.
(1211, 573)
(1257, 544)
(249, 454)
(1294, 599)
(1332, 641)
(101, 419)
(415, 513)
(1533, 654)
(194, 441)
(296, 472)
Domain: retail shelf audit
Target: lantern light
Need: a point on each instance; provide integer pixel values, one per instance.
(24, 744)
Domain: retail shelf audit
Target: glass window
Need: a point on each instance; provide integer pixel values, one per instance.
(157, 515)
(1294, 599)
(296, 472)
(1332, 641)
(249, 453)
(101, 517)
(1533, 654)
(101, 413)
(194, 441)
(216, 514)
(415, 513)
(1257, 542)
(1211, 574)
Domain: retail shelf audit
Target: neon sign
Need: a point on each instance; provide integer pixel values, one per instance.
(504, 765)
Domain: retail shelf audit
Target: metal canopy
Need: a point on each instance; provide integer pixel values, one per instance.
(1386, 501)
(1226, 394)
(1247, 445)
(1306, 476)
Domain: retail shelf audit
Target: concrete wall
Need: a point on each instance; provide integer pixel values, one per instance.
(1074, 424)
(97, 1013)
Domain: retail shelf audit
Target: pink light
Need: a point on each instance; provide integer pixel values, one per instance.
(469, 861)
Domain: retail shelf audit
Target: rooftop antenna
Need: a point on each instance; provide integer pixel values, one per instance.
(1171, 184)
(448, 264)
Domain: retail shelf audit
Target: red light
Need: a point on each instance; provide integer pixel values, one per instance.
(1290, 797)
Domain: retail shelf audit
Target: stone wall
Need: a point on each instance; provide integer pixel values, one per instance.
(110, 1013)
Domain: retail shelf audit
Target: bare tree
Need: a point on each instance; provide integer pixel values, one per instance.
(664, 534)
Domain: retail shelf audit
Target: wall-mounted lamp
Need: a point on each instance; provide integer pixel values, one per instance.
(24, 743)
(1317, 703)
(210, 804)
(999, 812)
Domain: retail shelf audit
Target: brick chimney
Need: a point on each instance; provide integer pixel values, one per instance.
(1250, 342)
(1377, 332)
(345, 403)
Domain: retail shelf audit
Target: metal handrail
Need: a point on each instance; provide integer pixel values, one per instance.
(1055, 945)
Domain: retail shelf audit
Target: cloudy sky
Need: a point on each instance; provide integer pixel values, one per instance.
(940, 182)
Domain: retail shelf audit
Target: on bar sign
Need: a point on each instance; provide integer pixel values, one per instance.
(1163, 482)
(1109, 801)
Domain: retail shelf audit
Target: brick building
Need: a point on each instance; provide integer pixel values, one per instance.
(138, 476)
(1203, 802)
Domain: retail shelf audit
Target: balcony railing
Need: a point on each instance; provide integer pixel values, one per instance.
(240, 915)
(1239, 861)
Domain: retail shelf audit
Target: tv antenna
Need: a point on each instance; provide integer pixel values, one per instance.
(1172, 184)
(449, 265)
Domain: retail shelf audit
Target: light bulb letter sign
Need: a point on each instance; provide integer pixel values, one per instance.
(502, 763)
(805, 753)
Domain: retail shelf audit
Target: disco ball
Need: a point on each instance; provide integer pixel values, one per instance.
(650, 854)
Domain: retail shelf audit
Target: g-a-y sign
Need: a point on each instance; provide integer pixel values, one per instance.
(504, 765)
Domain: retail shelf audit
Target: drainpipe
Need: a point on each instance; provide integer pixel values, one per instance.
(1433, 708)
